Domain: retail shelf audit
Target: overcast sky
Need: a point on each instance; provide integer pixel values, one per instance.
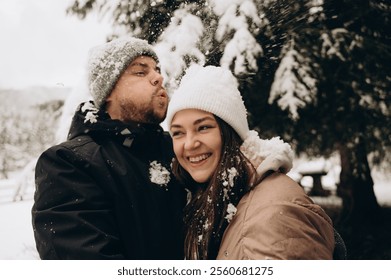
(41, 45)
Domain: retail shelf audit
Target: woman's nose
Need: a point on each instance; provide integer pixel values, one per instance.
(191, 142)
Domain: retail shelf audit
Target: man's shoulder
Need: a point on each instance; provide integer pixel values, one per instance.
(80, 146)
(74, 143)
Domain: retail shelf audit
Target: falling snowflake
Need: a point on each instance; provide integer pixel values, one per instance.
(158, 174)
(231, 211)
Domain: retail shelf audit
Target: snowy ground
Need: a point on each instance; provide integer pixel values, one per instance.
(16, 234)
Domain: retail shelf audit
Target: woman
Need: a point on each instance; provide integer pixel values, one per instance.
(241, 203)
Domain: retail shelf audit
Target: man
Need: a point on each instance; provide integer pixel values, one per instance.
(107, 192)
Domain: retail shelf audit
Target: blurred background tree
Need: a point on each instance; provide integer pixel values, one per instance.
(315, 72)
(25, 131)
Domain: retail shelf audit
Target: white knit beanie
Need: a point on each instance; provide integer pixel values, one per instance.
(214, 90)
(107, 62)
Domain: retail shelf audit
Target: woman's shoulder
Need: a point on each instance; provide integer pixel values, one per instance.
(278, 192)
(277, 220)
(279, 187)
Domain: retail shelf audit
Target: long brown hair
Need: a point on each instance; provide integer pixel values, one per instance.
(205, 216)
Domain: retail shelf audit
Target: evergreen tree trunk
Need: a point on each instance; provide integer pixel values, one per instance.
(360, 207)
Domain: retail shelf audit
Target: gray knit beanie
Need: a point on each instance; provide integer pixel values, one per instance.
(107, 62)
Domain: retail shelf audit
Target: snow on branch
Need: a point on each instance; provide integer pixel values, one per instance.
(243, 50)
(337, 43)
(293, 86)
(177, 47)
(240, 18)
(316, 10)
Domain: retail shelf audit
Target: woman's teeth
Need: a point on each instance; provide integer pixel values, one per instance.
(198, 158)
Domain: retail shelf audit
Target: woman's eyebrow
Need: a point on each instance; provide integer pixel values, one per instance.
(196, 122)
(203, 119)
(175, 126)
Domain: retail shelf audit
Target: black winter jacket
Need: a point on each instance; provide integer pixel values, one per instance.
(108, 193)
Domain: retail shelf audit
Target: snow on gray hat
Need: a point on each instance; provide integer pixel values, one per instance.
(107, 62)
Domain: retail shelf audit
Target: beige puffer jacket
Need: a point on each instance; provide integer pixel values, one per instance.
(277, 220)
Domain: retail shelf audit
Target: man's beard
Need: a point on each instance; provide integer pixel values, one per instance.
(145, 113)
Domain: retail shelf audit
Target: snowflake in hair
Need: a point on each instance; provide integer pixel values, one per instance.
(231, 211)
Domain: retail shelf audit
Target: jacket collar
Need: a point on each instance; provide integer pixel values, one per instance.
(89, 120)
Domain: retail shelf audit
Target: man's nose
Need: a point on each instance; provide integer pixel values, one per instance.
(157, 79)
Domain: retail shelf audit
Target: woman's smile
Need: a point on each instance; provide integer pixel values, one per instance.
(199, 159)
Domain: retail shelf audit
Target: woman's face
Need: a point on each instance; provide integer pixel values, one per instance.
(197, 143)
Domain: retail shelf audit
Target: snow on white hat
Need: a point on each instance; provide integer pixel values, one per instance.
(214, 90)
(107, 62)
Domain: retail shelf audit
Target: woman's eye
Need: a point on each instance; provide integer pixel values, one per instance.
(204, 127)
(176, 133)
